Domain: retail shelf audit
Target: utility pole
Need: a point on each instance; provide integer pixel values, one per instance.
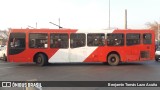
(36, 25)
(109, 16)
(158, 31)
(59, 22)
(125, 18)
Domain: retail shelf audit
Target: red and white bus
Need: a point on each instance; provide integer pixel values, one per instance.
(44, 46)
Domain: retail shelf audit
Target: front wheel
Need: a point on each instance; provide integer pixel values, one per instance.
(41, 59)
(113, 59)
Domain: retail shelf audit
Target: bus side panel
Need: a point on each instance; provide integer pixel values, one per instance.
(73, 55)
(133, 53)
(97, 55)
(28, 55)
(153, 48)
(101, 53)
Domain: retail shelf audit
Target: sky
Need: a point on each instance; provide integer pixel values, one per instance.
(78, 14)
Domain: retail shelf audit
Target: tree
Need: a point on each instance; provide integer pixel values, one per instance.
(3, 36)
(154, 26)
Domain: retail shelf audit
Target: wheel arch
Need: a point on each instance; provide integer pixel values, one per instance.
(113, 52)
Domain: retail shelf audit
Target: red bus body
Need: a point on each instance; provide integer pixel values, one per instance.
(138, 52)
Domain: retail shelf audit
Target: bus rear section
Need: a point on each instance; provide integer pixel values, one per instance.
(139, 45)
(67, 46)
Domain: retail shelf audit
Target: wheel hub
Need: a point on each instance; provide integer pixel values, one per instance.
(113, 59)
(39, 60)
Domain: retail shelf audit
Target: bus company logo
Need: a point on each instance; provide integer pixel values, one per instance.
(6, 84)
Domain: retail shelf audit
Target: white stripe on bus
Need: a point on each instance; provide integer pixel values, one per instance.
(72, 55)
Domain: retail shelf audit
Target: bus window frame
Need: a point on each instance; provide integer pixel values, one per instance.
(16, 50)
(59, 34)
(35, 41)
(133, 39)
(144, 38)
(83, 41)
(120, 43)
(17, 40)
(103, 39)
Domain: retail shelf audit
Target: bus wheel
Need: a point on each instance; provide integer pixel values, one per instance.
(4, 57)
(113, 59)
(41, 59)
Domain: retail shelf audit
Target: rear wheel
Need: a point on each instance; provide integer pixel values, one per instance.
(113, 59)
(41, 59)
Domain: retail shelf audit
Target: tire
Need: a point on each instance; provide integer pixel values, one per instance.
(113, 59)
(4, 57)
(156, 60)
(41, 59)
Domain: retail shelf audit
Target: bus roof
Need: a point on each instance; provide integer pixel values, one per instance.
(82, 30)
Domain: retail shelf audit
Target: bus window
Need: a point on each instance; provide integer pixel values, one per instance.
(115, 39)
(95, 39)
(132, 39)
(38, 40)
(147, 38)
(59, 40)
(17, 41)
(77, 40)
(32, 43)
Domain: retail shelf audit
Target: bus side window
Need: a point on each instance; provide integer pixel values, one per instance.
(77, 40)
(132, 39)
(95, 39)
(59, 40)
(38, 40)
(115, 39)
(17, 40)
(32, 43)
(147, 38)
(11, 43)
(15, 43)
